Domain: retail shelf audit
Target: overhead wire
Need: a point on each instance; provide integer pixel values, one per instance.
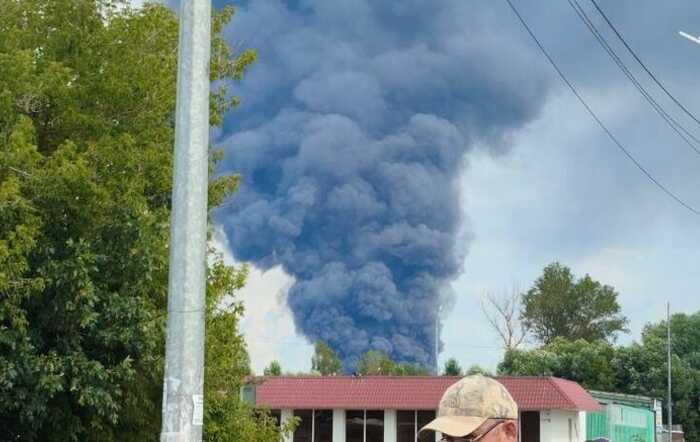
(580, 98)
(641, 63)
(672, 123)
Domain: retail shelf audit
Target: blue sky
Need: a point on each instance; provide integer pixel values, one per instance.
(531, 179)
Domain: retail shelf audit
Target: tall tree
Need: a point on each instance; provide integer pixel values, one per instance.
(325, 361)
(559, 306)
(503, 313)
(452, 368)
(87, 95)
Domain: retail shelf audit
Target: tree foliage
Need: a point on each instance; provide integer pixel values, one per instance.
(587, 363)
(87, 95)
(379, 363)
(325, 361)
(477, 369)
(638, 368)
(274, 369)
(559, 306)
(452, 368)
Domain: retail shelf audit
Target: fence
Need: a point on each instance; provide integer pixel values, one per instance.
(620, 423)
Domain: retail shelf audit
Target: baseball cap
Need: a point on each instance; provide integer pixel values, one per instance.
(470, 402)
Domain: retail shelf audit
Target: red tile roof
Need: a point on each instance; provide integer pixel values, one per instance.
(409, 392)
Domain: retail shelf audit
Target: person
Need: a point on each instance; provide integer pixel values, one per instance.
(476, 408)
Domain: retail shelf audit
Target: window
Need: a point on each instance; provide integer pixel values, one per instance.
(323, 425)
(409, 422)
(303, 431)
(423, 418)
(374, 424)
(354, 426)
(406, 426)
(315, 426)
(364, 426)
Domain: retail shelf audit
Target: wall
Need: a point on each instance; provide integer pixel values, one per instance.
(338, 425)
(562, 426)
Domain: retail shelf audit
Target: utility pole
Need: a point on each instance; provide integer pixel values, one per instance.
(668, 345)
(183, 382)
(437, 340)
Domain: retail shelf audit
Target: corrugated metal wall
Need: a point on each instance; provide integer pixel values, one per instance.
(620, 423)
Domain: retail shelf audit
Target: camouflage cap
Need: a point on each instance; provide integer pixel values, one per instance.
(470, 402)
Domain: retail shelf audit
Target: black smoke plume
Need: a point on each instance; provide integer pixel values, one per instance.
(351, 140)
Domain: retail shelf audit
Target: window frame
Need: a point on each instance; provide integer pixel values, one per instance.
(416, 428)
(364, 422)
(313, 420)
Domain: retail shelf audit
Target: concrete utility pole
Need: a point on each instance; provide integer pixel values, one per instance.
(670, 403)
(184, 354)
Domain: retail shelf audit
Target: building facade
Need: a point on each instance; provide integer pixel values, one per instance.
(393, 409)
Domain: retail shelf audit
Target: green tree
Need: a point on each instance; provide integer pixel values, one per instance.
(274, 369)
(376, 362)
(588, 363)
(642, 368)
(87, 94)
(452, 368)
(639, 368)
(325, 361)
(477, 369)
(559, 306)
(227, 365)
(406, 369)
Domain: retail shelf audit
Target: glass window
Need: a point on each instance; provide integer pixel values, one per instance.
(375, 426)
(354, 425)
(303, 431)
(424, 417)
(323, 426)
(406, 426)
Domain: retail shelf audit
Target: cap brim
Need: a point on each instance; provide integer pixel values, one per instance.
(457, 426)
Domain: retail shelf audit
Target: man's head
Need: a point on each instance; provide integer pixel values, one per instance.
(476, 408)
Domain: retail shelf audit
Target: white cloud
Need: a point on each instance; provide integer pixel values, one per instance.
(268, 325)
(566, 194)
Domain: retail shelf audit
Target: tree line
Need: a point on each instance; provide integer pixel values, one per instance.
(567, 327)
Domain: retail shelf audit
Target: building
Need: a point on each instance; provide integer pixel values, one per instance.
(628, 418)
(394, 408)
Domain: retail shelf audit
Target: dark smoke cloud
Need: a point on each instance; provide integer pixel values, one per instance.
(353, 133)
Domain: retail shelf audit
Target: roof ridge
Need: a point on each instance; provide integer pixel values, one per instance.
(553, 380)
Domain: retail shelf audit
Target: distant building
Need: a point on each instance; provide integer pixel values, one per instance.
(394, 408)
(626, 418)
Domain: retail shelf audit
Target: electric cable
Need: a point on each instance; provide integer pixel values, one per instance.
(636, 57)
(595, 117)
(673, 124)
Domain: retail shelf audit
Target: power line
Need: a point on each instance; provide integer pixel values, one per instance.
(634, 54)
(595, 117)
(673, 124)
